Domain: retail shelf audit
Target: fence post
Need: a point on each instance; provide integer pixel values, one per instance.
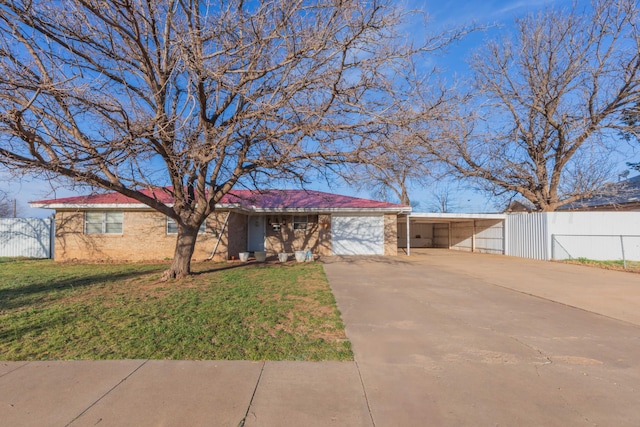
(624, 260)
(553, 246)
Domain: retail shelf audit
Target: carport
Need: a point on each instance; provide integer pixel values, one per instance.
(476, 232)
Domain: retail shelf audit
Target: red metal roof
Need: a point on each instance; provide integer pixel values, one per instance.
(250, 199)
(161, 194)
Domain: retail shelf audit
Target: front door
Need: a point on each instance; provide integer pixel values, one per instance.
(256, 233)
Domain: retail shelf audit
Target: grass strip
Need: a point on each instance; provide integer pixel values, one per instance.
(631, 266)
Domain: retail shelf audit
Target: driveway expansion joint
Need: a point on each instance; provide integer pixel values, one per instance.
(107, 393)
(15, 369)
(253, 395)
(364, 391)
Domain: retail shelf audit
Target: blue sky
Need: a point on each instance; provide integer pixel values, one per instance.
(498, 14)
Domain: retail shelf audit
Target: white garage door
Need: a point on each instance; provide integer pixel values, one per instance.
(357, 235)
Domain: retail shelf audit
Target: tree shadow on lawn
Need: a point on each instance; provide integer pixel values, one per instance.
(366, 259)
(33, 326)
(271, 262)
(17, 297)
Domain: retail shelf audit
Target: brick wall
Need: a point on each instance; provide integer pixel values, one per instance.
(316, 237)
(144, 238)
(237, 229)
(324, 235)
(391, 235)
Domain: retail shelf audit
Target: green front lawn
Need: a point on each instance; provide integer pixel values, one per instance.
(123, 311)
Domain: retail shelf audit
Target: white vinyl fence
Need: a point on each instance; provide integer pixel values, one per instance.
(571, 235)
(26, 237)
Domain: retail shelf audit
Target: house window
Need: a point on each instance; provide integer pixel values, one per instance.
(103, 222)
(172, 227)
(300, 222)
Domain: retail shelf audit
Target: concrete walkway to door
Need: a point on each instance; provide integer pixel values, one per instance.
(458, 339)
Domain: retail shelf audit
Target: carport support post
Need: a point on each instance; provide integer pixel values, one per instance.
(408, 236)
(473, 236)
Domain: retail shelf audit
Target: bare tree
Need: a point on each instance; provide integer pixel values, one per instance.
(549, 105)
(443, 199)
(200, 96)
(7, 206)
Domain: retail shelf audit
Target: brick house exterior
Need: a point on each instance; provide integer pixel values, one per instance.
(291, 219)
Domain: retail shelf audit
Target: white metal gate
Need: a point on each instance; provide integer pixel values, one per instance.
(26, 237)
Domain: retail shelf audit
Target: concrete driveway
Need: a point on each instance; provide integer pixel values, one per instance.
(453, 339)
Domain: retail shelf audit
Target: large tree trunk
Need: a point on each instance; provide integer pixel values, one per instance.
(185, 245)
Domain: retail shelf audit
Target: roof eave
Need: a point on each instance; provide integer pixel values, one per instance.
(79, 206)
(235, 206)
(456, 216)
(395, 210)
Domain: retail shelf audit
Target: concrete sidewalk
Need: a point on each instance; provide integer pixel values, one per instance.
(181, 393)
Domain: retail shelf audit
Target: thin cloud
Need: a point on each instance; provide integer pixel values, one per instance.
(464, 11)
(518, 5)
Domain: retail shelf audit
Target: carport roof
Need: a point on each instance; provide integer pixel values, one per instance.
(453, 217)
